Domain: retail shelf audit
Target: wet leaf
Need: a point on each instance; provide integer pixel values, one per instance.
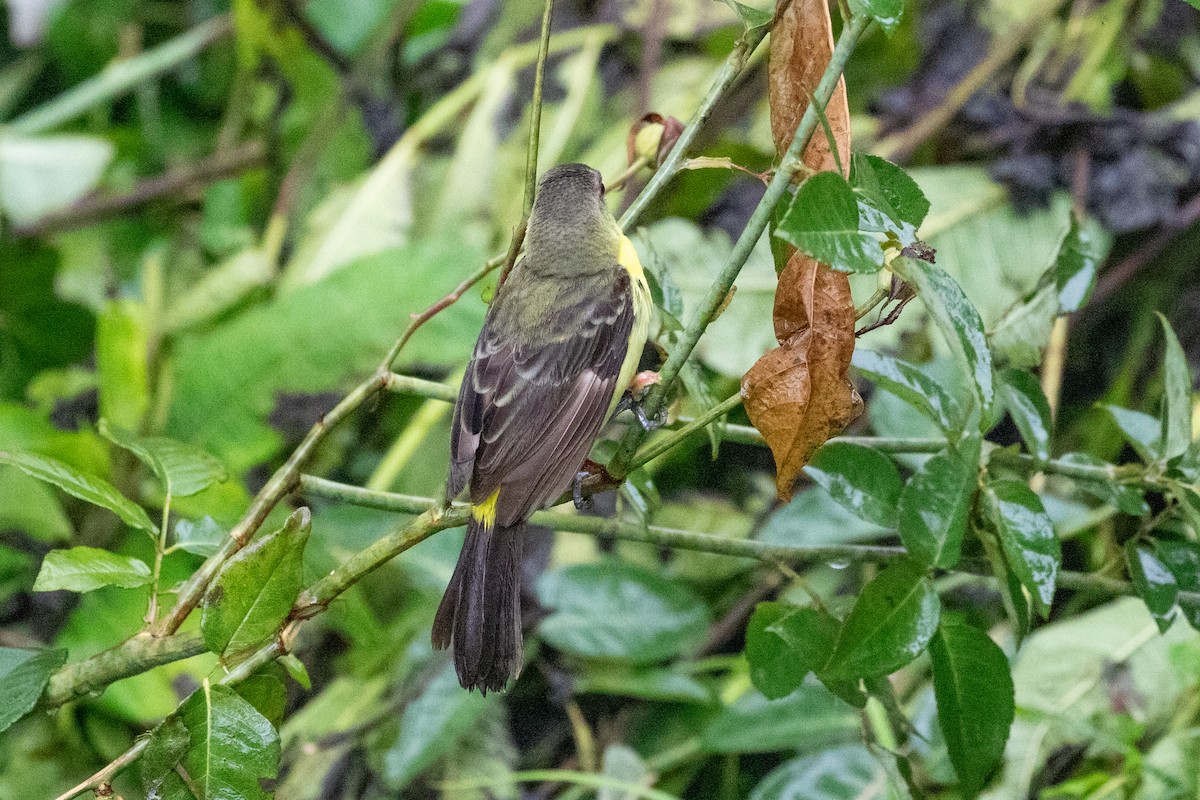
(891, 623)
(910, 384)
(848, 772)
(232, 749)
(888, 197)
(1142, 431)
(23, 676)
(1031, 548)
(958, 321)
(1029, 409)
(253, 593)
(86, 487)
(974, 691)
(798, 395)
(863, 480)
(935, 503)
(1153, 581)
(1177, 396)
(823, 221)
(1079, 258)
(82, 569)
(785, 643)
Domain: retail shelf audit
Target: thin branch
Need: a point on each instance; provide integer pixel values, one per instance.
(665, 443)
(122, 76)
(745, 244)
(172, 186)
(129, 658)
(535, 111)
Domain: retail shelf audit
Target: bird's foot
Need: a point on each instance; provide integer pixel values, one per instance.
(582, 503)
(628, 403)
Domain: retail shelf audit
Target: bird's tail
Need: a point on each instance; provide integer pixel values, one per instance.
(480, 614)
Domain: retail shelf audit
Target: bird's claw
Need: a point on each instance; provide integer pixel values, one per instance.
(628, 403)
(581, 502)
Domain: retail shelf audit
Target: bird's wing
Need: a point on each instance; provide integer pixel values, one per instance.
(528, 413)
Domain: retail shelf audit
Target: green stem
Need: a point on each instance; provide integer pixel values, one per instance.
(535, 111)
(734, 64)
(753, 231)
(129, 658)
(665, 443)
(120, 77)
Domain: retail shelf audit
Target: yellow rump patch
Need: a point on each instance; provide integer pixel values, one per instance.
(485, 513)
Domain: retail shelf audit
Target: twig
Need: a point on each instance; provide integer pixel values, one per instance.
(535, 110)
(745, 244)
(665, 443)
(120, 77)
(172, 185)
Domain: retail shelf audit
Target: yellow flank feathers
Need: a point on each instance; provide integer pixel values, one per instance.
(627, 257)
(485, 512)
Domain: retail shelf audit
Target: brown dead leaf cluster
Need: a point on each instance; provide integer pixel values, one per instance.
(798, 394)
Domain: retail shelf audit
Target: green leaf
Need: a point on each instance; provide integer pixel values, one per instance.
(429, 727)
(784, 644)
(122, 365)
(23, 676)
(957, 320)
(40, 175)
(935, 503)
(809, 718)
(232, 750)
(85, 487)
(1079, 258)
(200, 538)
(1127, 498)
(823, 221)
(647, 683)
(619, 611)
(1177, 396)
(891, 623)
(168, 745)
(886, 12)
(974, 692)
(295, 668)
(848, 772)
(751, 17)
(1183, 560)
(912, 385)
(82, 569)
(183, 470)
(219, 290)
(1031, 548)
(863, 480)
(1142, 431)
(887, 188)
(1153, 581)
(253, 593)
(1030, 411)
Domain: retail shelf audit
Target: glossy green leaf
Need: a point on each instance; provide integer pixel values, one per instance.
(888, 189)
(1127, 498)
(1020, 336)
(429, 727)
(974, 691)
(886, 12)
(233, 751)
(82, 569)
(85, 487)
(934, 505)
(168, 744)
(23, 676)
(892, 621)
(201, 537)
(1031, 548)
(1183, 560)
(785, 643)
(958, 321)
(810, 718)
(1029, 409)
(183, 469)
(823, 222)
(1078, 260)
(848, 772)
(122, 367)
(910, 384)
(1177, 396)
(1153, 581)
(863, 480)
(1142, 431)
(253, 593)
(297, 670)
(751, 17)
(619, 611)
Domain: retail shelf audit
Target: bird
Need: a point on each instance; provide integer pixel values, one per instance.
(558, 348)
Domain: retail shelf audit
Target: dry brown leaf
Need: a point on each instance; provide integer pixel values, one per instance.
(798, 395)
(801, 46)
